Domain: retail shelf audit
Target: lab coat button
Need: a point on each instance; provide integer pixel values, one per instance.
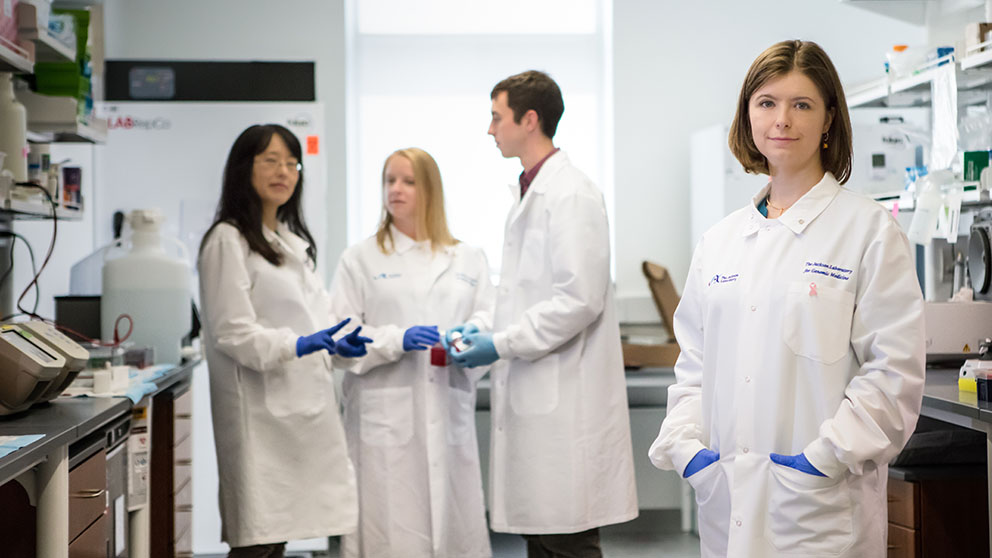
(745, 450)
(747, 379)
(801, 221)
(739, 523)
(753, 308)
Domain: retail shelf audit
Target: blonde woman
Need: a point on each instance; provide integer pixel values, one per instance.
(410, 424)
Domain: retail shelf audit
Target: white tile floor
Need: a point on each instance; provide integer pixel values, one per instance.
(655, 534)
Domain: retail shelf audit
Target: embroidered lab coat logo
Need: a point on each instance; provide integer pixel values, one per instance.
(820, 268)
(466, 279)
(386, 276)
(723, 279)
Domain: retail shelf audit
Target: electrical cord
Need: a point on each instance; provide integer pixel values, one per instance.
(34, 269)
(48, 255)
(118, 339)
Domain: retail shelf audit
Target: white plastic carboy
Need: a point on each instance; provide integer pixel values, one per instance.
(142, 280)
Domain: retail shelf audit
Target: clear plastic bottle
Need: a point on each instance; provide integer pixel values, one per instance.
(13, 130)
(150, 286)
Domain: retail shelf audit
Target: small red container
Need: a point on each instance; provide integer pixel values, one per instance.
(439, 357)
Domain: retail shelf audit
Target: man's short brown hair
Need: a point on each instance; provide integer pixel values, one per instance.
(778, 60)
(533, 90)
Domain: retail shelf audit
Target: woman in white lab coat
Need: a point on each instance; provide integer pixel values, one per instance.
(801, 329)
(282, 458)
(411, 423)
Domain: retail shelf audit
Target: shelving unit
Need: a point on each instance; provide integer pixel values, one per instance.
(24, 210)
(56, 119)
(973, 81)
(14, 59)
(47, 47)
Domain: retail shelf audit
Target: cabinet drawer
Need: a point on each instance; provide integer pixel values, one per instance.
(184, 522)
(903, 542)
(184, 404)
(904, 506)
(183, 451)
(181, 478)
(87, 493)
(183, 428)
(92, 543)
(183, 498)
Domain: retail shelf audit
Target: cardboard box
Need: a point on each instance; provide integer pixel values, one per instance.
(648, 356)
(975, 33)
(666, 299)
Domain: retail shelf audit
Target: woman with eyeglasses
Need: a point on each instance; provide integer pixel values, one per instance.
(282, 459)
(409, 417)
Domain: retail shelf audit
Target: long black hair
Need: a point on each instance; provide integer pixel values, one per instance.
(239, 203)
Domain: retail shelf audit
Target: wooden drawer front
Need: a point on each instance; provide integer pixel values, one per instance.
(183, 473)
(183, 428)
(92, 543)
(904, 508)
(183, 451)
(184, 522)
(903, 542)
(184, 497)
(184, 404)
(87, 493)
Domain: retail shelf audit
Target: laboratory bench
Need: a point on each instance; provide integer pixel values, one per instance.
(63, 476)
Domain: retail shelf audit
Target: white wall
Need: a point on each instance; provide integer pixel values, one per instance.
(289, 30)
(678, 67)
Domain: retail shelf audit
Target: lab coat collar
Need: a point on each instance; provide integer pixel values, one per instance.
(802, 213)
(540, 184)
(401, 242)
(292, 244)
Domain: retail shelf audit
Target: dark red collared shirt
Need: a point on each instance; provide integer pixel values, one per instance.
(526, 177)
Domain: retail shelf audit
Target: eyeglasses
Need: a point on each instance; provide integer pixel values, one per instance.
(271, 164)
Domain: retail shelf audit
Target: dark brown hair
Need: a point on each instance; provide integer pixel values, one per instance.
(239, 203)
(778, 60)
(533, 90)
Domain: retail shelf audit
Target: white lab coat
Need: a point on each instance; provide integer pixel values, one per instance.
(561, 456)
(411, 425)
(282, 459)
(798, 334)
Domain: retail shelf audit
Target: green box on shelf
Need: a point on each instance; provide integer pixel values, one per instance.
(974, 162)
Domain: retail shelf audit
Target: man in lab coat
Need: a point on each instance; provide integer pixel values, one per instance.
(561, 459)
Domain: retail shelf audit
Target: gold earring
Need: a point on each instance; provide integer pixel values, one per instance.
(826, 136)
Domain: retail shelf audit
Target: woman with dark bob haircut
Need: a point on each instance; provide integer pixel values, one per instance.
(282, 459)
(801, 329)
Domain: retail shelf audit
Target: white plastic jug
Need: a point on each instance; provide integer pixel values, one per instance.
(13, 130)
(146, 283)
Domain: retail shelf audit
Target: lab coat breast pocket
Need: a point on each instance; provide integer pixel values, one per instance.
(297, 388)
(808, 514)
(386, 416)
(533, 259)
(533, 386)
(818, 321)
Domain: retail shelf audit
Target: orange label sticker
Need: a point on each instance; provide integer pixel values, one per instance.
(313, 145)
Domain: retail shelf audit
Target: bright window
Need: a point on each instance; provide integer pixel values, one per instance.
(416, 80)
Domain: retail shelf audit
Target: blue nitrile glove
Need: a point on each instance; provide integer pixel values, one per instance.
(480, 352)
(420, 338)
(703, 459)
(352, 345)
(797, 462)
(464, 329)
(320, 340)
